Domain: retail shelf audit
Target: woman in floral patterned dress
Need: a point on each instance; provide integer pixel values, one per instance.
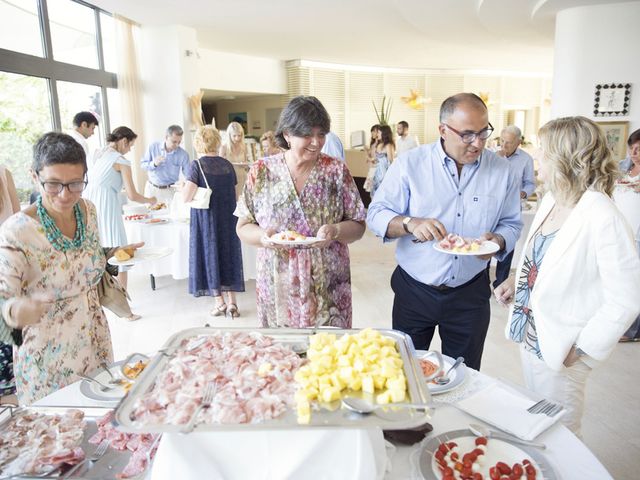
(50, 264)
(315, 195)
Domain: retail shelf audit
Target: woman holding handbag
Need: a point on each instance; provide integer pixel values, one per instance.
(215, 257)
(51, 262)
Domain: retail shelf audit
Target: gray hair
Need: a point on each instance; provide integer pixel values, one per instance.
(450, 104)
(299, 117)
(175, 130)
(513, 130)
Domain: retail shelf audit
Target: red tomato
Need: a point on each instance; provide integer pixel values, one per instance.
(494, 474)
(458, 466)
(481, 441)
(447, 471)
(451, 445)
(439, 455)
(503, 468)
(477, 476)
(454, 456)
(517, 469)
(477, 452)
(448, 477)
(530, 469)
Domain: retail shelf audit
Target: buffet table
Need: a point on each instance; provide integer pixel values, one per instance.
(175, 235)
(331, 453)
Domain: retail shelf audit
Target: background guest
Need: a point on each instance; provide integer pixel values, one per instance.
(521, 164)
(371, 158)
(163, 162)
(50, 263)
(268, 144)
(235, 151)
(404, 141)
(9, 204)
(215, 257)
(106, 178)
(84, 124)
(385, 152)
(304, 190)
(333, 146)
(576, 289)
(627, 197)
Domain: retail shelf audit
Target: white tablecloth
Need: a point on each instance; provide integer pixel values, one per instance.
(175, 234)
(234, 454)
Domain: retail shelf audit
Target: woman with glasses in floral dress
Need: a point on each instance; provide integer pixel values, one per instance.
(50, 264)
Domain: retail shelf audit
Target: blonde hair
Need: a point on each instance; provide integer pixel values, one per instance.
(206, 140)
(269, 136)
(576, 151)
(237, 128)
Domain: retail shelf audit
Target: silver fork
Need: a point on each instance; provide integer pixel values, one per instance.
(97, 455)
(103, 387)
(33, 475)
(545, 407)
(207, 400)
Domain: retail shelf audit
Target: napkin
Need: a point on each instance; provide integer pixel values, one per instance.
(502, 408)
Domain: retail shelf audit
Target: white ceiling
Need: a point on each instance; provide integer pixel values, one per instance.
(509, 35)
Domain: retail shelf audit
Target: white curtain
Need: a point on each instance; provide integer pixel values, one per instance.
(130, 90)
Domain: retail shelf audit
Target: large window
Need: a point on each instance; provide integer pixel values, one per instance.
(57, 58)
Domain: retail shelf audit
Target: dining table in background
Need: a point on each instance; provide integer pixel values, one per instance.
(174, 233)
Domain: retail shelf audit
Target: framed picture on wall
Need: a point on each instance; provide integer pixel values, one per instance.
(612, 100)
(616, 134)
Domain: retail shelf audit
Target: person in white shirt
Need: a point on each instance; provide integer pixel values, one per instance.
(84, 124)
(404, 141)
(521, 163)
(333, 146)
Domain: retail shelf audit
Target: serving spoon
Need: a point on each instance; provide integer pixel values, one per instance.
(482, 431)
(444, 379)
(364, 407)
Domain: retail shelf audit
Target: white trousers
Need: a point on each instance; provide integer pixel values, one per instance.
(164, 195)
(565, 387)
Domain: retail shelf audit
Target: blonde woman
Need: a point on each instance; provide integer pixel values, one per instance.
(268, 144)
(215, 257)
(235, 151)
(576, 288)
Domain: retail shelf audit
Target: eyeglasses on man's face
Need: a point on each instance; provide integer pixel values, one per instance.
(469, 137)
(55, 188)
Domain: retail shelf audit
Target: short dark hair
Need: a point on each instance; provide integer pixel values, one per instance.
(175, 130)
(299, 117)
(55, 148)
(634, 137)
(87, 117)
(450, 104)
(120, 133)
(403, 123)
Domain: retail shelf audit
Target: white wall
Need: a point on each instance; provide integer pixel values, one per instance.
(241, 73)
(596, 44)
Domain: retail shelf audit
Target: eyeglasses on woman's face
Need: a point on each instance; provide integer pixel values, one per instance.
(470, 137)
(55, 188)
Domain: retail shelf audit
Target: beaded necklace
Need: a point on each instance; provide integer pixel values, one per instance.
(55, 236)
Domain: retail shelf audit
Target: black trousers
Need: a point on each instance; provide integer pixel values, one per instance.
(461, 314)
(502, 269)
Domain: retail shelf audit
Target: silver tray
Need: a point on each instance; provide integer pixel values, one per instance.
(397, 419)
(113, 461)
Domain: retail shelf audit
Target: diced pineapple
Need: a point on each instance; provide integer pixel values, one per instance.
(367, 384)
(330, 394)
(383, 398)
(397, 395)
(379, 381)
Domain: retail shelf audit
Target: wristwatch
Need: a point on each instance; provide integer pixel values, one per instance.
(405, 224)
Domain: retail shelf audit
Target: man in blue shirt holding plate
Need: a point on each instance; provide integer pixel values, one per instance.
(455, 186)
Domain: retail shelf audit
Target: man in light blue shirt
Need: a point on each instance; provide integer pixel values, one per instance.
(163, 162)
(521, 164)
(451, 186)
(333, 146)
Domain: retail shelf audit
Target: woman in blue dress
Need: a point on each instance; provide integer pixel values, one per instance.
(109, 173)
(385, 153)
(215, 256)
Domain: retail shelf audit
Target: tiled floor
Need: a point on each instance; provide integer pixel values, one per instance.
(611, 424)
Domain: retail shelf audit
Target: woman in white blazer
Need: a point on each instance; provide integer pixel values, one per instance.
(576, 288)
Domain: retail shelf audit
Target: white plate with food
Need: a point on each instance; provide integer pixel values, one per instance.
(496, 454)
(456, 245)
(292, 238)
(156, 221)
(456, 377)
(140, 255)
(137, 217)
(95, 392)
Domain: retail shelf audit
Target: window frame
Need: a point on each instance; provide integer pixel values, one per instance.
(53, 71)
